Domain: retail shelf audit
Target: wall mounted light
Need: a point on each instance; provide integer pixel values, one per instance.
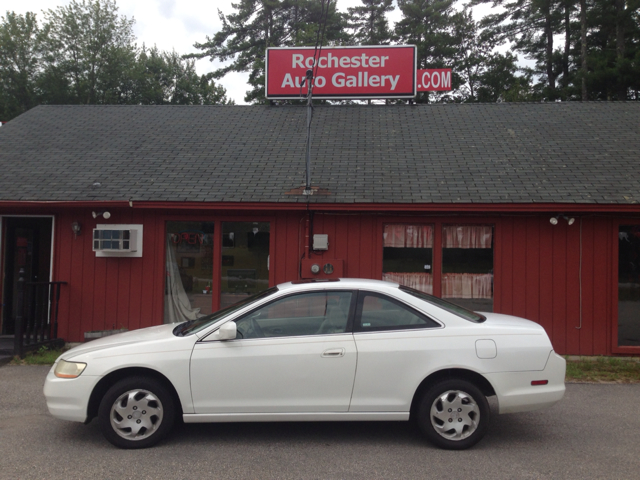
(106, 215)
(554, 220)
(76, 228)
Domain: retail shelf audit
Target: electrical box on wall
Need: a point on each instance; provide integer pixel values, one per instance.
(321, 241)
(123, 240)
(322, 268)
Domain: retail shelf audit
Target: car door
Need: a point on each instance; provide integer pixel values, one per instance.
(295, 354)
(396, 345)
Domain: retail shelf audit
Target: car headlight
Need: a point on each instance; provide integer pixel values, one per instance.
(66, 369)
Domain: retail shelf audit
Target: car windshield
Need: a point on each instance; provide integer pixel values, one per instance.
(193, 326)
(448, 306)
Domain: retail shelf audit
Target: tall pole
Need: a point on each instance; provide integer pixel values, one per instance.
(18, 346)
(307, 188)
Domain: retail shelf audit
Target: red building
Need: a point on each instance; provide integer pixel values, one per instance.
(525, 209)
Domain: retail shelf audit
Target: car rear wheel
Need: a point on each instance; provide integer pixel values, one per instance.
(454, 414)
(136, 412)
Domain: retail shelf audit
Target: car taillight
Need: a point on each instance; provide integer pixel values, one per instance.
(539, 382)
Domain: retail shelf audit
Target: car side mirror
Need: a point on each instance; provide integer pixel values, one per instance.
(228, 331)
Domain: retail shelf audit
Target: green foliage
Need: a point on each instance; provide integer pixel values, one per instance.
(259, 24)
(87, 46)
(604, 369)
(612, 28)
(20, 55)
(613, 47)
(368, 22)
(85, 53)
(43, 356)
(165, 78)
(429, 24)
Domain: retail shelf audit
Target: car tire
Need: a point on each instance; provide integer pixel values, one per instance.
(136, 412)
(453, 414)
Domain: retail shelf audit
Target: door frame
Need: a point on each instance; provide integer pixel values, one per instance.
(3, 254)
(615, 347)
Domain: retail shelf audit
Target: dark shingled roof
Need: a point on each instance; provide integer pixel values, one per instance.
(583, 153)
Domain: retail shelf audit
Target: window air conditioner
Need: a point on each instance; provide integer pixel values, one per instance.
(117, 240)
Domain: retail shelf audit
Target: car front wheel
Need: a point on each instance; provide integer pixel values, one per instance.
(136, 412)
(454, 414)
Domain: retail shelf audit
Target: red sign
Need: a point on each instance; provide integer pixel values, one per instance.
(343, 72)
(434, 80)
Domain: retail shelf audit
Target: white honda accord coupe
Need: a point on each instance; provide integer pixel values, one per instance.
(349, 349)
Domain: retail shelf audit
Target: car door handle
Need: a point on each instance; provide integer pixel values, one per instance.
(334, 352)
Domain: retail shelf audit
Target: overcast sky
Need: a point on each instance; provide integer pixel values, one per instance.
(171, 25)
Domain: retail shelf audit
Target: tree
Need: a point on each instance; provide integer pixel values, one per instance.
(20, 58)
(530, 25)
(501, 82)
(85, 53)
(166, 78)
(259, 24)
(613, 46)
(368, 22)
(471, 59)
(87, 45)
(430, 25)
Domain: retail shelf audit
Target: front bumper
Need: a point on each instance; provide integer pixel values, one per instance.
(68, 398)
(516, 394)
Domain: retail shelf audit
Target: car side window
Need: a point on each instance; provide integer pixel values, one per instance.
(378, 312)
(313, 313)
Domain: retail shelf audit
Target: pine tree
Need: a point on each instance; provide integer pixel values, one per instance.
(368, 22)
(430, 25)
(530, 25)
(259, 24)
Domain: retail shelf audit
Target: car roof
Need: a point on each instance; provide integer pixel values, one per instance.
(340, 283)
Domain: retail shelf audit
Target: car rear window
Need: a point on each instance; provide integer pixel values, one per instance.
(448, 306)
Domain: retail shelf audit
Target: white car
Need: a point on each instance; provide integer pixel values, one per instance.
(350, 349)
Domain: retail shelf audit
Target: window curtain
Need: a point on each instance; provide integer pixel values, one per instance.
(467, 285)
(420, 281)
(408, 236)
(177, 306)
(467, 236)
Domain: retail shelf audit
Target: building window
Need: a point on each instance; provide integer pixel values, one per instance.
(467, 266)
(629, 286)
(189, 271)
(408, 256)
(245, 260)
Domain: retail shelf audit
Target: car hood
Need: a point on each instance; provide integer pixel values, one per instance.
(135, 336)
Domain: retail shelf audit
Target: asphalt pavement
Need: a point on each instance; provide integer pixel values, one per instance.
(593, 433)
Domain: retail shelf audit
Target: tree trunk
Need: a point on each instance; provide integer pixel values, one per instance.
(548, 33)
(567, 46)
(583, 52)
(620, 14)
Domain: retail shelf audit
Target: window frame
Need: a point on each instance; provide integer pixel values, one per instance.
(362, 294)
(350, 313)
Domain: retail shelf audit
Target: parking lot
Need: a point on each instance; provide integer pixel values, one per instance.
(593, 433)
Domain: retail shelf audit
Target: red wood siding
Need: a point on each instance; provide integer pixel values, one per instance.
(541, 276)
(107, 293)
(539, 270)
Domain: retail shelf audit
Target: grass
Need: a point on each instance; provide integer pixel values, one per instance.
(603, 370)
(42, 356)
(589, 369)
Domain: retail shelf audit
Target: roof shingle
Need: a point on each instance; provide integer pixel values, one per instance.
(582, 153)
